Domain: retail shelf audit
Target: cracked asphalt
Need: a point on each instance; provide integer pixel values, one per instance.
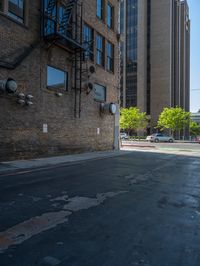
(138, 208)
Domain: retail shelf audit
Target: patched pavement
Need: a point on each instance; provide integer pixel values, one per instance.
(135, 208)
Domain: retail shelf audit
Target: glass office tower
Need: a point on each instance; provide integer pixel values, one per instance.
(129, 24)
(155, 56)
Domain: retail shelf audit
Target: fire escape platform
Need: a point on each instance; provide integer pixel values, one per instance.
(62, 25)
(64, 41)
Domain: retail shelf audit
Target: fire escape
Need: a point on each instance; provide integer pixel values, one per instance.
(62, 25)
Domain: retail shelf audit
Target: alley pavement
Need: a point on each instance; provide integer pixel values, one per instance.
(107, 209)
(18, 165)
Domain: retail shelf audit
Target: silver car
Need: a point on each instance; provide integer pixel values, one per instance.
(158, 137)
(123, 136)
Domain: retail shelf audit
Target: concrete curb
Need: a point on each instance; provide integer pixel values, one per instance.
(137, 145)
(56, 160)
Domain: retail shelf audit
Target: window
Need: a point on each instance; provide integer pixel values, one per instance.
(110, 15)
(99, 93)
(99, 4)
(16, 9)
(110, 57)
(88, 42)
(56, 79)
(64, 16)
(1, 5)
(99, 50)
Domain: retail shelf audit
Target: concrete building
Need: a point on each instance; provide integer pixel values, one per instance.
(155, 55)
(64, 53)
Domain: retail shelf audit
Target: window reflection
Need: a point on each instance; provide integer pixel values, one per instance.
(110, 56)
(99, 11)
(110, 15)
(131, 67)
(99, 50)
(16, 9)
(99, 93)
(56, 79)
(88, 41)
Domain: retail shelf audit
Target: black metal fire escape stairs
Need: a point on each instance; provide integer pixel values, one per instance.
(63, 26)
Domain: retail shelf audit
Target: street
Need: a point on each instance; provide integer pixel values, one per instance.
(164, 146)
(136, 208)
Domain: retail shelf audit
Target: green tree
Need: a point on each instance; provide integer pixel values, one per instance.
(174, 119)
(194, 129)
(132, 119)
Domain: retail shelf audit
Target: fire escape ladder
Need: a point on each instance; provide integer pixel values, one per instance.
(50, 7)
(78, 78)
(78, 60)
(63, 26)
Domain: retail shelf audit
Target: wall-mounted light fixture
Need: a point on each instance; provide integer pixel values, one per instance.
(58, 94)
(8, 86)
(24, 100)
(108, 108)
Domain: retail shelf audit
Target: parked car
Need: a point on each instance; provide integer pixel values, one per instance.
(158, 137)
(198, 140)
(123, 136)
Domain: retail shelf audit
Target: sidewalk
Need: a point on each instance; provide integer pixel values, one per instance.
(52, 161)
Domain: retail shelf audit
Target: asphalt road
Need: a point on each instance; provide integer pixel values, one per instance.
(165, 145)
(136, 209)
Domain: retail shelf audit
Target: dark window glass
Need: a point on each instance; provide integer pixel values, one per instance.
(56, 79)
(16, 9)
(99, 93)
(110, 12)
(88, 41)
(99, 50)
(99, 8)
(1, 5)
(131, 50)
(148, 98)
(110, 56)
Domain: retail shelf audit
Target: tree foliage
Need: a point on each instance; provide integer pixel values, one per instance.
(173, 119)
(194, 129)
(132, 119)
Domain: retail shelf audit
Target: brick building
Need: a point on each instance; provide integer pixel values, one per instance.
(66, 55)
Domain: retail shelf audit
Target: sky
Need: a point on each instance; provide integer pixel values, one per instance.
(194, 6)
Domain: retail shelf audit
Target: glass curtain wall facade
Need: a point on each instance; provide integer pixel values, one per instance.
(131, 63)
(148, 102)
(129, 46)
(122, 54)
